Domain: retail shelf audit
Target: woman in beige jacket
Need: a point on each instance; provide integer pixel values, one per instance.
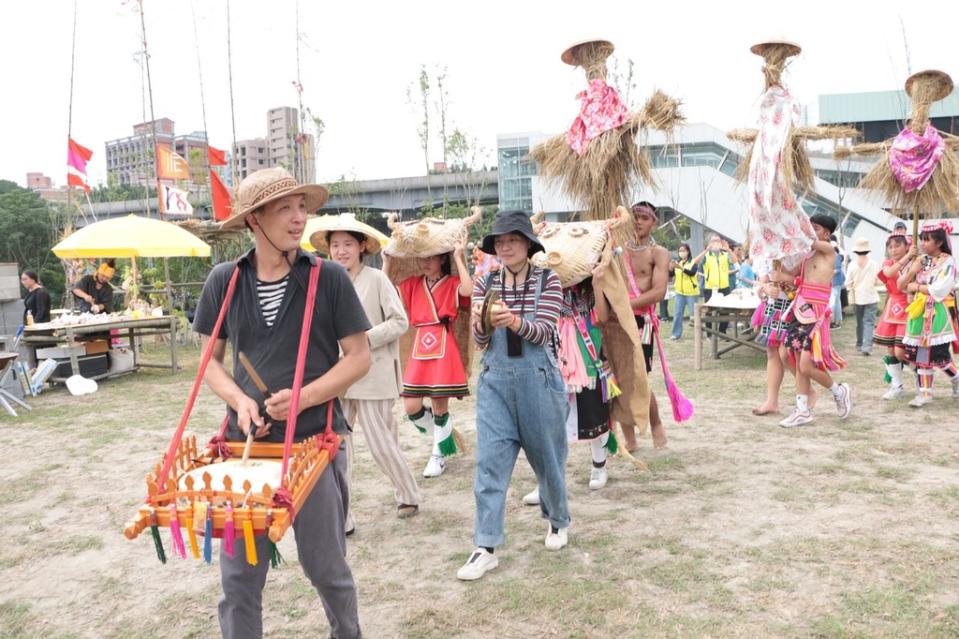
(369, 402)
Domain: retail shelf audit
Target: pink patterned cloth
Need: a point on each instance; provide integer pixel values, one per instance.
(601, 109)
(780, 228)
(914, 158)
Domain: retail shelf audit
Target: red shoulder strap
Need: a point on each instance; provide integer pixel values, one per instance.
(191, 400)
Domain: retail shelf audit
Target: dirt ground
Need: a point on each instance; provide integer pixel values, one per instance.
(740, 529)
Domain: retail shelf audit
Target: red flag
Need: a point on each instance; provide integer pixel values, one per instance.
(77, 158)
(216, 156)
(222, 209)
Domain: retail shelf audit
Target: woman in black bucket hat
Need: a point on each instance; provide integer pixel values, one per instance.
(521, 397)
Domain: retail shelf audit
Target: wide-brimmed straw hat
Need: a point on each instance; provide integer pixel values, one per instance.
(941, 79)
(568, 56)
(318, 230)
(760, 47)
(511, 222)
(268, 185)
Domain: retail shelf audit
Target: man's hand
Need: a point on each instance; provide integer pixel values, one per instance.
(247, 412)
(278, 404)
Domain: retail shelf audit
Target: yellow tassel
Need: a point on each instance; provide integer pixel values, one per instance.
(917, 306)
(613, 389)
(249, 541)
(191, 535)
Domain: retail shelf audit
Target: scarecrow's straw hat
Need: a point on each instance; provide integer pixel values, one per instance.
(569, 55)
(939, 81)
(760, 48)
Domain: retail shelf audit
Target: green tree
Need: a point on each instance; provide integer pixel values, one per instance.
(27, 233)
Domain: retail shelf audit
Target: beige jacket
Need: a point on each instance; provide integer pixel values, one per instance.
(861, 282)
(384, 308)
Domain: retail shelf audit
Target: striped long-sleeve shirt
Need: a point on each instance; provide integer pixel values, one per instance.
(543, 329)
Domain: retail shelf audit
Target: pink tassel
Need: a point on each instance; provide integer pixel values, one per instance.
(179, 548)
(682, 407)
(229, 531)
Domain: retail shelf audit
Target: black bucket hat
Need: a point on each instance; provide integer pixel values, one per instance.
(511, 222)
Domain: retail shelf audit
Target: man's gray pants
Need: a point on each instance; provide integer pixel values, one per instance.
(321, 549)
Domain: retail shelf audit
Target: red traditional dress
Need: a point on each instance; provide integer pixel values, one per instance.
(892, 324)
(434, 368)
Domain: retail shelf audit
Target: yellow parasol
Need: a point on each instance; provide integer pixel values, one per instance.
(131, 236)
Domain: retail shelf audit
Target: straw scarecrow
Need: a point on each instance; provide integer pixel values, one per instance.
(597, 159)
(777, 163)
(919, 169)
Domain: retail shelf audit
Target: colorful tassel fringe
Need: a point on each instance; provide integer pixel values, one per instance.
(208, 537)
(229, 532)
(176, 537)
(249, 540)
(157, 542)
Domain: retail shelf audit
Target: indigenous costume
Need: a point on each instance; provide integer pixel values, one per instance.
(437, 353)
(434, 368)
(892, 323)
(808, 324)
(932, 334)
(769, 320)
(588, 377)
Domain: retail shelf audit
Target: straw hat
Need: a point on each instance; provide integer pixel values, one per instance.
(861, 246)
(573, 249)
(319, 229)
(268, 185)
(568, 56)
(760, 48)
(941, 79)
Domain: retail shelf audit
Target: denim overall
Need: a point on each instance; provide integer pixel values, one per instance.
(521, 402)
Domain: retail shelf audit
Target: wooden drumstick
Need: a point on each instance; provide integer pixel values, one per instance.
(258, 382)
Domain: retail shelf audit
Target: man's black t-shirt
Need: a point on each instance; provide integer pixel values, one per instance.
(102, 295)
(272, 350)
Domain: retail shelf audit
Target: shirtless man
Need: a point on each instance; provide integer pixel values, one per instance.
(649, 266)
(808, 322)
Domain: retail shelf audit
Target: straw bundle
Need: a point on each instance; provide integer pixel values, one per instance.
(941, 192)
(574, 249)
(602, 177)
(429, 235)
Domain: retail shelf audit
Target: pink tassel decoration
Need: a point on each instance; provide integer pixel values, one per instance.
(229, 531)
(179, 548)
(682, 407)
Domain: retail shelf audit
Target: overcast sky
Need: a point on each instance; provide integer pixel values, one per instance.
(358, 59)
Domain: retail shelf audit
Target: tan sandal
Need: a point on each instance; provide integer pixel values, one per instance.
(405, 511)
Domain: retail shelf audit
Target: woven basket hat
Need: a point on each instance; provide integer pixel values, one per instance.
(569, 55)
(268, 185)
(573, 249)
(428, 236)
(319, 229)
(760, 48)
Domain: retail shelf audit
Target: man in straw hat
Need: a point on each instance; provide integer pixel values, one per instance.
(808, 347)
(861, 280)
(370, 401)
(264, 321)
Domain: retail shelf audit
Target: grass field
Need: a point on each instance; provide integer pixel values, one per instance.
(740, 529)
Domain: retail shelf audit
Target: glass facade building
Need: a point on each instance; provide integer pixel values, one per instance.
(516, 171)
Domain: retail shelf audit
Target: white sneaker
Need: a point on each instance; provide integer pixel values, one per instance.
(844, 401)
(532, 498)
(435, 466)
(798, 418)
(920, 400)
(894, 392)
(598, 478)
(556, 540)
(479, 563)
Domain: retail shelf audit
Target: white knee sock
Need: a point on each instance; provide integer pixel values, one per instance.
(802, 402)
(598, 448)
